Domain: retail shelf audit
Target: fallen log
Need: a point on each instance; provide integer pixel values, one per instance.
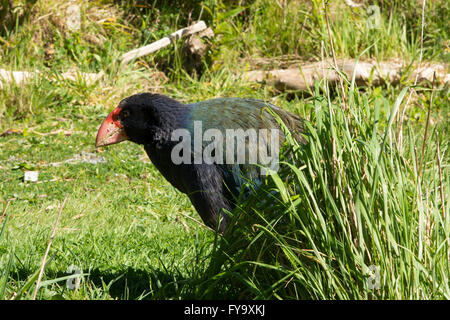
(162, 43)
(20, 77)
(303, 76)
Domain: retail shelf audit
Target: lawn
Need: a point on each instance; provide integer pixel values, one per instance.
(360, 212)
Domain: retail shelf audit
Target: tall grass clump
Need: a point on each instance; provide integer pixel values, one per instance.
(347, 217)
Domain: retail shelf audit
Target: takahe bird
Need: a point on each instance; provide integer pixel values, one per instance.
(153, 120)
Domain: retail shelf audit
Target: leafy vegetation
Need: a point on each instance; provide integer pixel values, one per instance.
(360, 196)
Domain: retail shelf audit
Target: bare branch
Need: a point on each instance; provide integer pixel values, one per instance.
(162, 43)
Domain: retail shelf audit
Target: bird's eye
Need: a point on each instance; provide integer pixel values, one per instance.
(125, 113)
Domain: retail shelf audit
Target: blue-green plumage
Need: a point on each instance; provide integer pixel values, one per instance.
(211, 186)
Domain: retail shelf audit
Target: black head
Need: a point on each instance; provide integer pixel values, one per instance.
(141, 118)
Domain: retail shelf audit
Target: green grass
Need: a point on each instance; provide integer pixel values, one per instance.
(318, 226)
(312, 231)
(113, 212)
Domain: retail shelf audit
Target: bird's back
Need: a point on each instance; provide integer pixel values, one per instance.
(225, 114)
(235, 113)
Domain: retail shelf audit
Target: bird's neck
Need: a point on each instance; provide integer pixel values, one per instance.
(171, 117)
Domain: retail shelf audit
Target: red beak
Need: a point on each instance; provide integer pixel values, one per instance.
(111, 131)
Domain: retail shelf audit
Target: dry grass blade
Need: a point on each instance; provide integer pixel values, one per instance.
(400, 132)
(4, 211)
(3, 217)
(441, 187)
(341, 84)
(199, 222)
(48, 248)
(426, 129)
